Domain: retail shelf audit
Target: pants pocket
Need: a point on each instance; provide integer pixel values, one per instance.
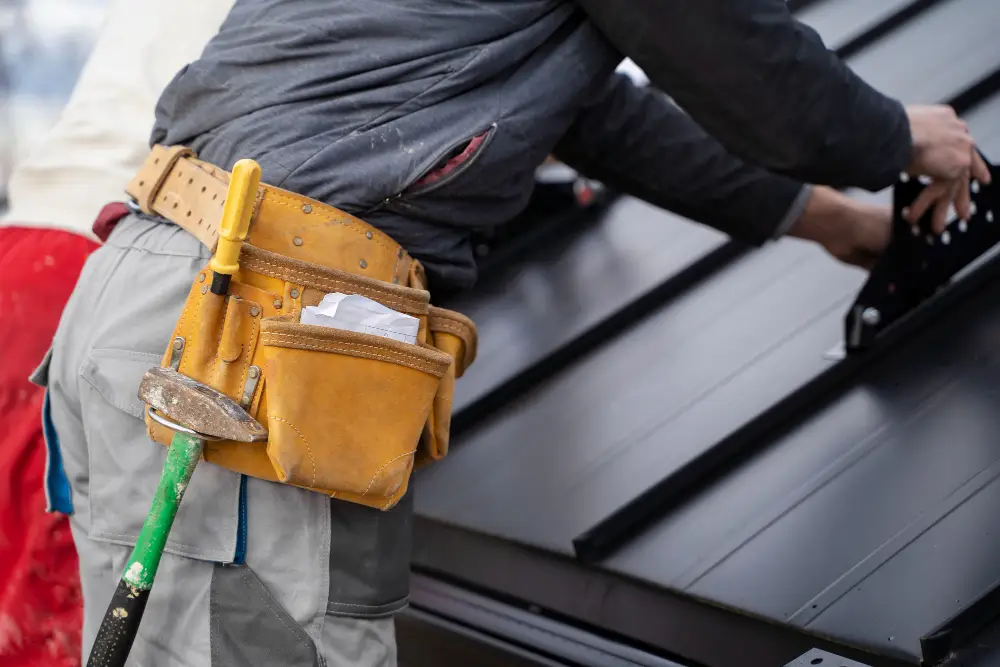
(249, 627)
(125, 466)
(370, 558)
(345, 410)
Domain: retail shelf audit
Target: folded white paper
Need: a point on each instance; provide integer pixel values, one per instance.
(353, 312)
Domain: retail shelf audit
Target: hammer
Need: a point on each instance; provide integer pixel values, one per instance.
(197, 413)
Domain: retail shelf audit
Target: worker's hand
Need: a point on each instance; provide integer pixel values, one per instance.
(944, 150)
(854, 232)
(942, 146)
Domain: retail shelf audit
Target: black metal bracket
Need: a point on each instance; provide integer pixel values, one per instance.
(919, 263)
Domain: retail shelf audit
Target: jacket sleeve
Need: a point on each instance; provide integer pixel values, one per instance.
(765, 85)
(637, 141)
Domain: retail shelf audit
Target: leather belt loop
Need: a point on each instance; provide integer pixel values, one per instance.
(154, 172)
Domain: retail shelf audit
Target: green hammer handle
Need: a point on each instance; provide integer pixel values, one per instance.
(121, 621)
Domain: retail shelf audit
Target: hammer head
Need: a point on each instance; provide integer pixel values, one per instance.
(198, 407)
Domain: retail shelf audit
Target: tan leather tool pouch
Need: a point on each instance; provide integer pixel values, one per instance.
(345, 411)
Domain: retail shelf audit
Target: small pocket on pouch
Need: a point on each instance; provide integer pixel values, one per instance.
(455, 335)
(345, 410)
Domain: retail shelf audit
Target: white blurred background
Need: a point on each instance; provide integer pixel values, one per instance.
(43, 45)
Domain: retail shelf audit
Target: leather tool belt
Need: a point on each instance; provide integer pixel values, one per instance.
(348, 414)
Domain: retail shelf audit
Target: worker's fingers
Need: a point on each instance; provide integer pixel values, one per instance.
(979, 169)
(939, 221)
(963, 200)
(926, 199)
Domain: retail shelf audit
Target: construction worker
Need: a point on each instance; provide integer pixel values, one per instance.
(426, 120)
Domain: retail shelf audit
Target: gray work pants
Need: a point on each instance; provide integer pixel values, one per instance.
(255, 573)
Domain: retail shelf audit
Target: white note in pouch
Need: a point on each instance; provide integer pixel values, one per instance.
(353, 312)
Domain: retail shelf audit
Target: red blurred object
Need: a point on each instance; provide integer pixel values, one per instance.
(40, 601)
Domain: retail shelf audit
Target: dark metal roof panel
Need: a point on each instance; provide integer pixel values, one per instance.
(839, 21)
(937, 54)
(563, 289)
(868, 520)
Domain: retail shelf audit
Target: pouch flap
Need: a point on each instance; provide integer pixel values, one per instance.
(116, 375)
(442, 320)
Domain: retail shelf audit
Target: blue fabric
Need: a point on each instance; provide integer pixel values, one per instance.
(58, 497)
(241, 535)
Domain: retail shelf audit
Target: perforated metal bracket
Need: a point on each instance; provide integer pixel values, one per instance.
(919, 263)
(818, 658)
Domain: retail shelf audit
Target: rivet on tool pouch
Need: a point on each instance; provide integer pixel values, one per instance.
(348, 414)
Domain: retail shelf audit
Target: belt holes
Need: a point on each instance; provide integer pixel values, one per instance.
(214, 197)
(142, 183)
(190, 181)
(203, 188)
(179, 173)
(156, 161)
(175, 204)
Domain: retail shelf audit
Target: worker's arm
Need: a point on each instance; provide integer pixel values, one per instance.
(765, 85)
(637, 141)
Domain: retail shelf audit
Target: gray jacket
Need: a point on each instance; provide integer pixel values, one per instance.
(352, 102)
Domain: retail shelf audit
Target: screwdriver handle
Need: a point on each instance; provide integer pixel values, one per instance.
(236, 213)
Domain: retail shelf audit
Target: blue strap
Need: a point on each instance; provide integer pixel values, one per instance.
(239, 558)
(58, 497)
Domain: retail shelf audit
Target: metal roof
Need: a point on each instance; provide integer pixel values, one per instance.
(651, 390)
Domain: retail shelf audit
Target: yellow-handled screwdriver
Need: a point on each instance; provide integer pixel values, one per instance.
(236, 213)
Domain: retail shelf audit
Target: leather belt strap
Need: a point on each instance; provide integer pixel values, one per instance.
(175, 185)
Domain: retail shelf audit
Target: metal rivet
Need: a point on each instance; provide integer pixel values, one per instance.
(369, 235)
(201, 277)
(962, 225)
(364, 264)
(871, 316)
(974, 186)
(204, 290)
(915, 230)
(294, 293)
(178, 343)
(929, 239)
(972, 208)
(924, 179)
(989, 216)
(904, 177)
(254, 372)
(297, 240)
(254, 311)
(945, 238)
(277, 303)
(307, 208)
